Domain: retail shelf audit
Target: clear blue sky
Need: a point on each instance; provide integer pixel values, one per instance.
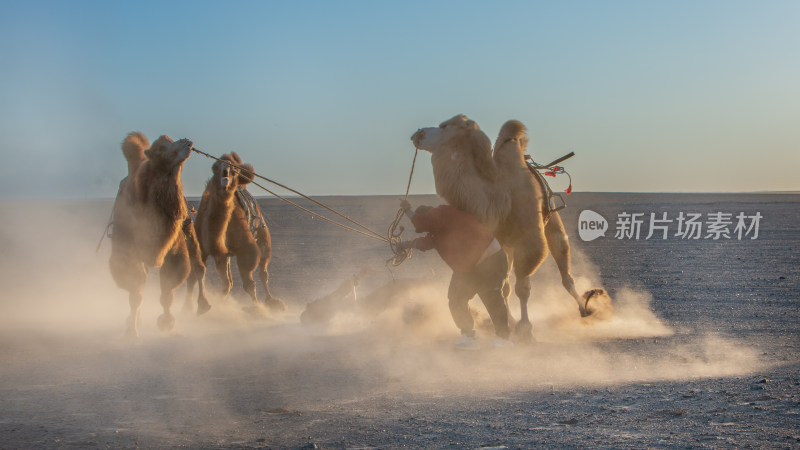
(323, 96)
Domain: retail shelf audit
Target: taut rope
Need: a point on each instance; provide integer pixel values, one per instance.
(368, 232)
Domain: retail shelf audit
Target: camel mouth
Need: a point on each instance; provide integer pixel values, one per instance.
(419, 139)
(186, 149)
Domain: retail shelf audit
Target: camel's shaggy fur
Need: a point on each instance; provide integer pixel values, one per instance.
(223, 231)
(501, 192)
(463, 168)
(149, 217)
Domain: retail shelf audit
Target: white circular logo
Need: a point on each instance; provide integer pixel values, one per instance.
(591, 225)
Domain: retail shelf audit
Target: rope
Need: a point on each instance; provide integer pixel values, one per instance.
(393, 236)
(105, 232)
(369, 233)
(341, 225)
(413, 163)
(551, 170)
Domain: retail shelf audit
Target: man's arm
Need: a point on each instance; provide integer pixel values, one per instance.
(423, 243)
(406, 207)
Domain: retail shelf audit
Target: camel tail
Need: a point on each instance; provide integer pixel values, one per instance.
(133, 148)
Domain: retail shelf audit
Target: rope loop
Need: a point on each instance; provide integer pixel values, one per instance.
(394, 234)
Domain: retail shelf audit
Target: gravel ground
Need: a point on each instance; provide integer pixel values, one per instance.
(703, 350)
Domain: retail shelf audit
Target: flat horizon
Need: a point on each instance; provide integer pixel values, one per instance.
(294, 196)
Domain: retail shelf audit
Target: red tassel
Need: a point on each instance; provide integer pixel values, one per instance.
(550, 173)
(569, 189)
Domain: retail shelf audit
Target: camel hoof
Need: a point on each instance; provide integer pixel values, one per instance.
(202, 306)
(597, 304)
(131, 336)
(255, 310)
(275, 304)
(523, 332)
(166, 322)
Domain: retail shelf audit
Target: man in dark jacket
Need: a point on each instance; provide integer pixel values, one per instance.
(479, 266)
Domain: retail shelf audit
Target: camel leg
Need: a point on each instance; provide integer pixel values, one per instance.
(135, 300)
(558, 243)
(246, 261)
(507, 284)
(272, 302)
(223, 265)
(187, 302)
(527, 258)
(265, 247)
(197, 274)
(130, 275)
(202, 301)
(523, 331)
(174, 271)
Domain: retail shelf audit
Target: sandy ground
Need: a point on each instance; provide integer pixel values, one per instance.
(703, 350)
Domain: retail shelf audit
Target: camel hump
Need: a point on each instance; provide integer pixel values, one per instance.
(133, 148)
(513, 129)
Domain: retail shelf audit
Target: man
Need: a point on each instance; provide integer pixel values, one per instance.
(479, 266)
(343, 299)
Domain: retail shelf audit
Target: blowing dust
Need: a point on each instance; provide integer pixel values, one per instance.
(63, 319)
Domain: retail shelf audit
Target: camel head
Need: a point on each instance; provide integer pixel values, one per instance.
(168, 154)
(450, 133)
(458, 140)
(227, 175)
(463, 170)
(246, 171)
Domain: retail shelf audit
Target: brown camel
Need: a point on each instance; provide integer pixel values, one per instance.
(224, 230)
(149, 214)
(500, 191)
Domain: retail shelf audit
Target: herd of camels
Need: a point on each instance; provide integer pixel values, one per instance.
(152, 226)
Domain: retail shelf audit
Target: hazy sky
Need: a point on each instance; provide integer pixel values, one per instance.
(323, 96)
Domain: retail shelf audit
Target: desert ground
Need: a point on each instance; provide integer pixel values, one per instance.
(702, 350)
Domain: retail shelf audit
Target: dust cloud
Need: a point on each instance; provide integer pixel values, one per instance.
(63, 319)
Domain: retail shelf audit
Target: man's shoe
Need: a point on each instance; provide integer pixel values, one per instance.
(467, 343)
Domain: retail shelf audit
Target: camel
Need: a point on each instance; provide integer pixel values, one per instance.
(224, 230)
(149, 216)
(500, 191)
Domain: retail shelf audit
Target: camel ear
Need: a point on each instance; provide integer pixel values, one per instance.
(236, 158)
(246, 174)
